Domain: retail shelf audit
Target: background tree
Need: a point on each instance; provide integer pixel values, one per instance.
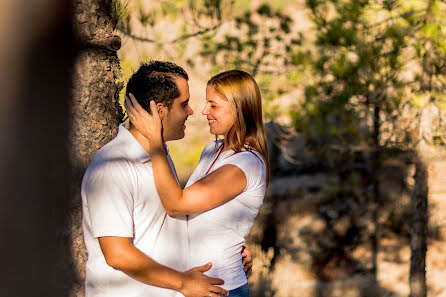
(429, 48)
(365, 98)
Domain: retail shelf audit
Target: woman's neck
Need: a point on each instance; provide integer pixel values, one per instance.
(226, 144)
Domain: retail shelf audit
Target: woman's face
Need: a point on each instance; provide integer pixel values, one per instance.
(218, 112)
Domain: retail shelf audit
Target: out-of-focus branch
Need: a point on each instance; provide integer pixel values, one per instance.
(138, 38)
(200, 32)
(214, 13)
(183, 37)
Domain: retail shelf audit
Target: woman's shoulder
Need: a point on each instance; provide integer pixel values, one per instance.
(213, 146)
(253, 155)
(252, 165)
(249, 157)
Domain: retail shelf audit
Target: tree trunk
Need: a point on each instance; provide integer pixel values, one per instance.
(374, 190)
(95, 111)
(418, 242)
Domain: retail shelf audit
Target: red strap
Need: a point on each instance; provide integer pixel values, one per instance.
(215, 160)
(218, 155)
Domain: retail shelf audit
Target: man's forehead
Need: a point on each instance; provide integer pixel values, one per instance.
(183, 87)
(181, 81)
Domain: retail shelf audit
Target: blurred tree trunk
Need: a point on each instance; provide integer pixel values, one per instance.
(37, 54)
(374, 189)
(418, 243)
(95, 112)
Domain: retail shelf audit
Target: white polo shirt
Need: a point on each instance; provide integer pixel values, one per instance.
(119, 198)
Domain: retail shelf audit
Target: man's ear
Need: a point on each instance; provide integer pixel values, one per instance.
(162, 110)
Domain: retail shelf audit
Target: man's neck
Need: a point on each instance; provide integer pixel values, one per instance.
(140, 138)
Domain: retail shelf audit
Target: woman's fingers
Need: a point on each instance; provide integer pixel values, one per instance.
(135, 103)
(128, 107)
(154, 109)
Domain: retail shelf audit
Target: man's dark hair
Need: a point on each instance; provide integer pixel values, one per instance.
(156, 81)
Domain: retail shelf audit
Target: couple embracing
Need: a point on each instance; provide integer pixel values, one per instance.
(143, 232)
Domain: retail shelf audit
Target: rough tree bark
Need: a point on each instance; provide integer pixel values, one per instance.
(95, 112)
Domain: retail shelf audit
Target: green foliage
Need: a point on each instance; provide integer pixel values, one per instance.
(260, 39)
(326, 127)
(364, 65)
(127, 68)
(146, 18)
(361, 63)
(119, 11)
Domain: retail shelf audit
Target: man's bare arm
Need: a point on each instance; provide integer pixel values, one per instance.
(122, 255)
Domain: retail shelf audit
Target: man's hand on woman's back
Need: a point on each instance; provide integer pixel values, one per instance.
(247, 261)
(196, 284)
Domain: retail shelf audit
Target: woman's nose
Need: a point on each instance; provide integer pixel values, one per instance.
(205, 110)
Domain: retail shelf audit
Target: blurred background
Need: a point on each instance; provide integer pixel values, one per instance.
(354, 103)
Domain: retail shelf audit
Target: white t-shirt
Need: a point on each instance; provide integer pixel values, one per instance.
(119, 198)
(218, 234)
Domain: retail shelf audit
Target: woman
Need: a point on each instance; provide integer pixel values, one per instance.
(226, 190)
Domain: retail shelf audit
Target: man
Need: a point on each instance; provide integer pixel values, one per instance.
(134, 247)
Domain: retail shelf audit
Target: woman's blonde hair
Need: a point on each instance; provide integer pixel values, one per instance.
(243, 94)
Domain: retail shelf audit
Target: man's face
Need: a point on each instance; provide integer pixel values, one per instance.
(175, 118)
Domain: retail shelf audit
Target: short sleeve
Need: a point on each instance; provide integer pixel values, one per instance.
(252, 165)
(109, 200)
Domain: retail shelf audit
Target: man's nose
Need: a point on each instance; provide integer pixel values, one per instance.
(190, 111)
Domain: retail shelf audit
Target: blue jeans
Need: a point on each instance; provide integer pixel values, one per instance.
(242, 291)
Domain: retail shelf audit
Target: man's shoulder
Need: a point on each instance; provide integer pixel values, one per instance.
(112, 150)
(112, 155)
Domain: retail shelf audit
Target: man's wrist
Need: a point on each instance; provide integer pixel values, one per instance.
(157, 148)
(180, 283)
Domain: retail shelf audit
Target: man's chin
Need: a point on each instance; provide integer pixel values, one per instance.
(177, 137)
